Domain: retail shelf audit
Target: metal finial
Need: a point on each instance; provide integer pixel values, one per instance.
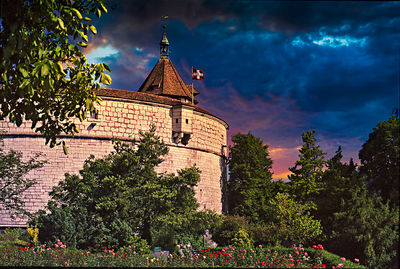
(164, 41)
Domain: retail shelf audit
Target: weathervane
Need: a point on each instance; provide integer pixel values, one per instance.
(164, 44)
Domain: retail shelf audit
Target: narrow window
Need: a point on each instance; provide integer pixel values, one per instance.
(187, 121)
(176, 120)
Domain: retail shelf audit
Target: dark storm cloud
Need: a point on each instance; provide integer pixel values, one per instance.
(275, 68)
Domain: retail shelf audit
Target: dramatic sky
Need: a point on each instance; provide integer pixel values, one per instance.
(273, 68)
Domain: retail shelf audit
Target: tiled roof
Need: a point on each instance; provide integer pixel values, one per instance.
(165, 80)
(142, 96)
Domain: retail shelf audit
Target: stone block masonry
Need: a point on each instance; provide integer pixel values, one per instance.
(124, 118)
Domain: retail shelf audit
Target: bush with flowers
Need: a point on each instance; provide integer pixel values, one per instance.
(59, 254)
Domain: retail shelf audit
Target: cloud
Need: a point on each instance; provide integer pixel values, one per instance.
(100, 54)
(273, 68)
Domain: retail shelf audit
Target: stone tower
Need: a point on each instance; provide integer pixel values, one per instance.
(194, 136)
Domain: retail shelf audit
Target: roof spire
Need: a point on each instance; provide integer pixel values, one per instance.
(164, 44)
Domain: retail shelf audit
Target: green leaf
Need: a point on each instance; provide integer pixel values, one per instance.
(84, 37)
(82, 44)
(44, 70)
(24, 83)
(23, 72)
(87, 19)
(4, 76)
(103, 7)
(65, 148)
(30, 91)
(105, 79)
(61, 23)
(93, 29)
(77, 13)
(60, 68)
(107, 67)
(98, 13)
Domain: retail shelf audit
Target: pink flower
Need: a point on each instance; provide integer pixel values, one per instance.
(301, 249)
(260, 246)
(343, 259)
(305, 253)
(340, 265)
(356, 260)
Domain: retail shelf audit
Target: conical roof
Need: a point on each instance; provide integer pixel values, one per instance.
(165, 80)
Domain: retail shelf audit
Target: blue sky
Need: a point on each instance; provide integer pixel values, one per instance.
(274, 68)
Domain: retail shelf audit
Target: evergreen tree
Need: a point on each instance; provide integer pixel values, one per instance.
(340, 181)
(306, 180)
(379, 158)
(368, 229)
(249, 186)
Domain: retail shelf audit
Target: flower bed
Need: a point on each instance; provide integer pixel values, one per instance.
(59, 255)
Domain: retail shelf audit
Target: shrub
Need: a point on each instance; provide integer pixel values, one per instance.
(242, 240)
(10, 234)
(266, 234)
(228, 228)
(293, 221)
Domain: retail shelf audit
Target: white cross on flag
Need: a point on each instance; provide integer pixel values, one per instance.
(197, 74)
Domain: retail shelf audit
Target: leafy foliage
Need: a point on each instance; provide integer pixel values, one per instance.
(249, 186)
(228, 228)
(45, 78)
(293, 221)
(13, 182)
(307, 172)
(120, 195)
(368, 229)
(379, 158)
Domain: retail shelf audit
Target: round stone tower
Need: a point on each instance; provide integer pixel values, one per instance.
(193, 135)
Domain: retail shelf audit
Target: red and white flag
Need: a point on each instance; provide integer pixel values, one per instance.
(197, 74)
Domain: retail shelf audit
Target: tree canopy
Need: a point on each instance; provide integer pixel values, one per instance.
(121, 195)
(44, 76)
(249, 186)
(379, 158)
(307, 172)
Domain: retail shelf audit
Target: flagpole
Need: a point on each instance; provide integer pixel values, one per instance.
(192, 87)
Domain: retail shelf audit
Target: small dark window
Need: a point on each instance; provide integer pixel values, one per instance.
(187, 121)
(176, 120)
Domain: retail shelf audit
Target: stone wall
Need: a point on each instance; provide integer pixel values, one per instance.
(123, 118)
